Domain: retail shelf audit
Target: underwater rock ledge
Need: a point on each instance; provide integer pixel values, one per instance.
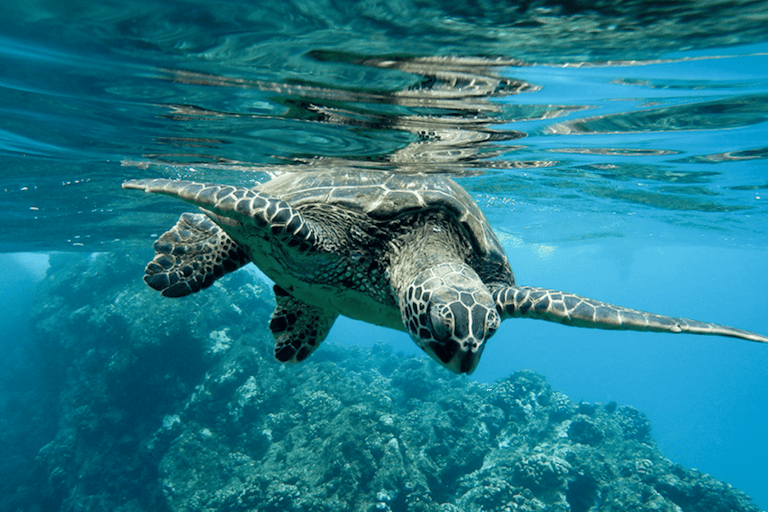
(178, 405)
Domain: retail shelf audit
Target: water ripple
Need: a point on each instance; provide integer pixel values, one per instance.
(590, 120)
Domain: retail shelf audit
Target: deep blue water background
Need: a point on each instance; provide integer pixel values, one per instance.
(642, 182)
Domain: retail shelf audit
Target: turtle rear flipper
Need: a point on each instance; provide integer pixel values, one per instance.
(298, 328)
(191, 256)
(570, 309)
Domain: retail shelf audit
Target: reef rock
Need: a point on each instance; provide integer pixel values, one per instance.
(179, 405)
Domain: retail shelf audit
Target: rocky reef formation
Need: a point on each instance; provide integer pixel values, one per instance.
(178, 405)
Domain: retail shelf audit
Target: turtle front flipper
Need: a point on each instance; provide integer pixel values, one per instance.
(298, 328)
(570, 309)
(267, 215)
(191, 256)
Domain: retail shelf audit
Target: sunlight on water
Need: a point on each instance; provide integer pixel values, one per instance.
(35, 264)
(625, 136)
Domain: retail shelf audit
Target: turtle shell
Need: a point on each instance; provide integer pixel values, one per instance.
(385, 195)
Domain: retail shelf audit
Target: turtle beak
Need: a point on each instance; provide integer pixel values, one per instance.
(452, 356)
(458, 340)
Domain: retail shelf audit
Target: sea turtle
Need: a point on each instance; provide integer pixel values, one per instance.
(410, 252)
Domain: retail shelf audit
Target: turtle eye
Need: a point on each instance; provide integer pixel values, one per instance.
(442, 323)
(492, 322)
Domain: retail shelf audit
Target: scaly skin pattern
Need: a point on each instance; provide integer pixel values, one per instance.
(410, 254)
(264, 211)
(571, 309)
(298, 328)
(449, 313)
(445, 305)
(191, 256)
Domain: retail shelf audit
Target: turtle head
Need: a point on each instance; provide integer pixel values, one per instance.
(449, 313)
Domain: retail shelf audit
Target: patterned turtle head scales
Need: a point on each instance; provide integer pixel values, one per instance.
(450, 314)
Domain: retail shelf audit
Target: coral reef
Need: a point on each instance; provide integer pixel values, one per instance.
(178, 405)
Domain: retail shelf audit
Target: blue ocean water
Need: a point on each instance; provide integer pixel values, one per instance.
(618, 150)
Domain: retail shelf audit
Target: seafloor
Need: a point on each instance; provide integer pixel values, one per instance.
(127, 401)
